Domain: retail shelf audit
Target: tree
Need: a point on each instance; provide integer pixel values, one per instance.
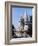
(13, 30)
(22, 23)
(31, 19)
(30, 27)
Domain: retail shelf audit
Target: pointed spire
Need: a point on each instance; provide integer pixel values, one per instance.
(25, 13)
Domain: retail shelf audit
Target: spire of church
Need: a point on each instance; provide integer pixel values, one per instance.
(25, 16)
(25, 13)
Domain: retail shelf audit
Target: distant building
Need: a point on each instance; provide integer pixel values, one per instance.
(24, 25)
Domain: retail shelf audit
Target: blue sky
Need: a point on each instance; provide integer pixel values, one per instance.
(17, 12)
